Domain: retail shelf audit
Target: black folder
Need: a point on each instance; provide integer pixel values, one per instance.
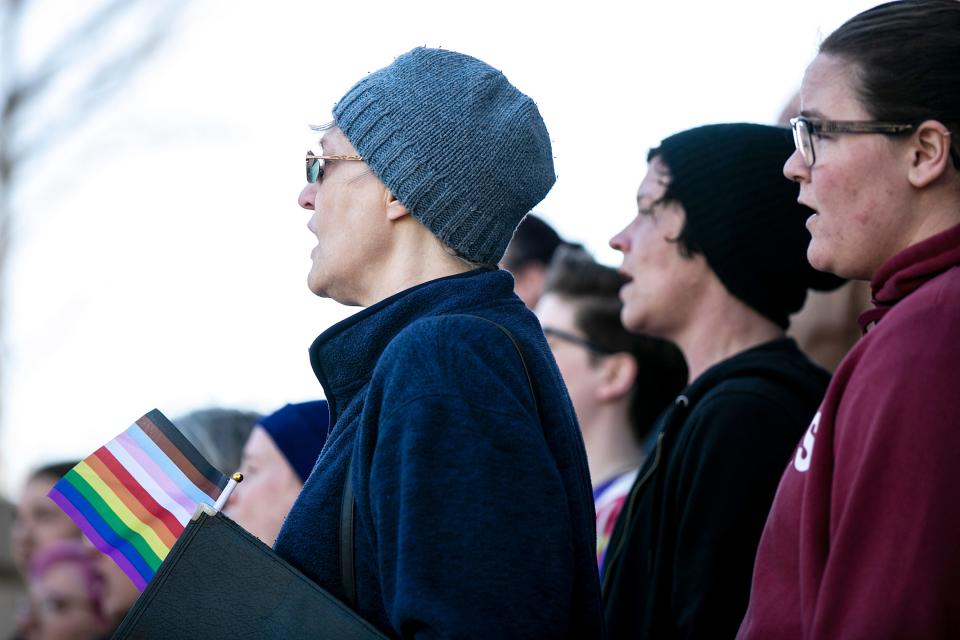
(221, 582)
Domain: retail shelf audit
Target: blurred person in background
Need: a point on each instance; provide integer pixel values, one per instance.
(528, 255)
(715, 263)
(277, 460)
(66, 595)
(826, 328)
(119, 592)
(619, 382)
(39, 521)
(862, 537)
(218, 434)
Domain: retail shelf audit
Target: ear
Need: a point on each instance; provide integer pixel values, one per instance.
(673, 217)
(618, 375)
(529, 280)
(395, 209)
(930, 151)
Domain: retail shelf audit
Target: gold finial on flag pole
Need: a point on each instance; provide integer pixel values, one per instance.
(225, 495)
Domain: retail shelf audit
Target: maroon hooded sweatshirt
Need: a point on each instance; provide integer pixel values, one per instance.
(863, 539)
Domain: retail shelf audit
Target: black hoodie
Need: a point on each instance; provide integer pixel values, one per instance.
(680, 560)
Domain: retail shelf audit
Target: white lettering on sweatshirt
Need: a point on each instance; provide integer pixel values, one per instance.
(805, 451)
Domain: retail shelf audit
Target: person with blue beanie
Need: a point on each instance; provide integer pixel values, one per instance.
(277, 459)
(471, 513)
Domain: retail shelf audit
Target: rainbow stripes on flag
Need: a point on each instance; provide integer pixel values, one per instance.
(133, 496)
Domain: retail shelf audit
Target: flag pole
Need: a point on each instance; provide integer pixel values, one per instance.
(231, 485)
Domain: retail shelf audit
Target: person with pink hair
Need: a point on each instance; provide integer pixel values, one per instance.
(66, 595)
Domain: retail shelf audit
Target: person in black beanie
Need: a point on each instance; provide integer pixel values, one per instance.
(715, 262)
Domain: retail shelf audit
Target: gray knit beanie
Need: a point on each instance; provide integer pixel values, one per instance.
(463, 149)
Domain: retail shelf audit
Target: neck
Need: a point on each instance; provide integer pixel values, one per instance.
(720, 328)
(416, 256)
(611, 447)
(937, 210)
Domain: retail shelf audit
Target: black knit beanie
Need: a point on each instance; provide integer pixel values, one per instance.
(742, 213)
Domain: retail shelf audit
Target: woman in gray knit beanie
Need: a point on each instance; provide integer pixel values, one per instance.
(452, 438)
(455, 147)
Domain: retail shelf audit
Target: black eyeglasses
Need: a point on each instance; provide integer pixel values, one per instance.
(805, 129)
(315, 164)
(578, 340)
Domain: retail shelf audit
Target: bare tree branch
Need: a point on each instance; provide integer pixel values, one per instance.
(101, 86)
(76, 44)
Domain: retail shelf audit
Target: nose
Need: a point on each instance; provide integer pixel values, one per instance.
(307, 196)
(620, 242)
(795, 168)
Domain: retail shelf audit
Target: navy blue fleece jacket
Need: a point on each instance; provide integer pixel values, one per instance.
(474, 514)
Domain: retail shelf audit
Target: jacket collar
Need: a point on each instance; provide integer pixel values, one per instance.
(767, 360)
(907, 271)
(343, 357)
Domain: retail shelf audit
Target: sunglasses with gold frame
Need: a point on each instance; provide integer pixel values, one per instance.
(315, 164)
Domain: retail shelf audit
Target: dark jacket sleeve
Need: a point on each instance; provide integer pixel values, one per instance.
(468, 508)
(736, 452)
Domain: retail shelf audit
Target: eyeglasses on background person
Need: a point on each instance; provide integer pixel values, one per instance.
(566, 336)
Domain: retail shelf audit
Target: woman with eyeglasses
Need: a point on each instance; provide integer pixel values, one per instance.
(862, 538)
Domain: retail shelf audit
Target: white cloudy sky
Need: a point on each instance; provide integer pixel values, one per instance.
(160, 256)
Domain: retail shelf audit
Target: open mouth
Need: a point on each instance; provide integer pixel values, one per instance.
(625, 280)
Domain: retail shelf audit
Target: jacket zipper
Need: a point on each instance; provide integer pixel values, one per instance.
(631, 502)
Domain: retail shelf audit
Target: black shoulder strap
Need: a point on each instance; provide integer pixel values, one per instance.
(523, 361)
(347, 518)
(347, 505)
